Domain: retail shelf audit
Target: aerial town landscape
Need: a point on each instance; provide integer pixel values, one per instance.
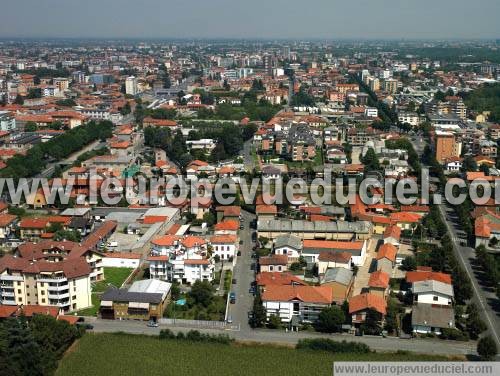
(247, 206)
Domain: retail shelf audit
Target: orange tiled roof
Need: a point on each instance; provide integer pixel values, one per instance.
(229, 225)
(276, 278)
(387, 251)
(379, 279)
(309, 294)
(426, 275)
(365, 301)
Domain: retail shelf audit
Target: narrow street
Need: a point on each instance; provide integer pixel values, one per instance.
(485, 300)
(244, 276)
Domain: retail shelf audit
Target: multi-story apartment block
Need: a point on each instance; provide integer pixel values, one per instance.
(65, 284)
(183, 260)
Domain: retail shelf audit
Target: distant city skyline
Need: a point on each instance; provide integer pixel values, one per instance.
(258, 19)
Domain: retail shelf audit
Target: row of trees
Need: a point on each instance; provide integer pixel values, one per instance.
(57, 148)
(490, 266)
(35, 347)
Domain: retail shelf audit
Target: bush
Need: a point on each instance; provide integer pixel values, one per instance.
(453, 334)
(326, 344)
(487, 348)
(167, 334)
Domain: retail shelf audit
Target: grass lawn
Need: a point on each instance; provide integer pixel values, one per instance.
(122, 354)
(114, 276)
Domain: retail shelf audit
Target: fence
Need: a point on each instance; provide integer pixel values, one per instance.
(194, 323)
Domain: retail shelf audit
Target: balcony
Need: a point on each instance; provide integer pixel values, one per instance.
(58, 287)
(64, 295)
(11, 278)
(7, 294)
(52, 279)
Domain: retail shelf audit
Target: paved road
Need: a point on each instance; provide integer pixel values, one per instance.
(481, 297)
(244, 277)
(427, 346)
(484, 299)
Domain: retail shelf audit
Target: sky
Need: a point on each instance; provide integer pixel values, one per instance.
(290, 19)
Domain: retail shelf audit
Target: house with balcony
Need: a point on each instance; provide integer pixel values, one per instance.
(296, 303)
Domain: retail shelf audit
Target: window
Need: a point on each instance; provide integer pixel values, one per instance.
(43, 292)
(43, 300)
(18, 291)
(435, 298)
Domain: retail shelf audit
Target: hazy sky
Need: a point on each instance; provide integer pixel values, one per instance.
(417, 19)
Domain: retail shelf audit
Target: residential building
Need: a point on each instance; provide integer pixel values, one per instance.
(296, 303)
(144, 300)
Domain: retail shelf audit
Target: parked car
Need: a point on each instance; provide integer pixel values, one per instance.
(251, 290)
(234, 281)
(85, 325)
(229, 319)
(232, 298)
(153, 324)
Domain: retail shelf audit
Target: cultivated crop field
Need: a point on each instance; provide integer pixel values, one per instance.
(123, 354)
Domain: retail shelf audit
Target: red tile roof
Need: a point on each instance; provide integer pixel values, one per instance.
(276, 278)
(387, 251)
(228, 225)
(6, 219)
(193, 241)
(340, 257)
(332, 244)
(426, 275)
(379, 279)
(273, 260)
(405, 217)
(196, 262)
(309, 294)
(266, 209)
(165, 241)
(223, 239)
(365, 301)
(393, 232)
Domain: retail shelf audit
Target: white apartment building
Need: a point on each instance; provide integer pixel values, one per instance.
(131, 86)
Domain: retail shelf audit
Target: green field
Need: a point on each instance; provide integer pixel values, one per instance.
(123, 354)
(113, 276)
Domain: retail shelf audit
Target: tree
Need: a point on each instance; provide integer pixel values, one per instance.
(372, 324)
(370, 160)
(258, 319)
(409, 263)
(19, 100)
(487, 348)
(274, 322)
(475, 326)
(201, 293)
(330, 319)
(30, 127)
